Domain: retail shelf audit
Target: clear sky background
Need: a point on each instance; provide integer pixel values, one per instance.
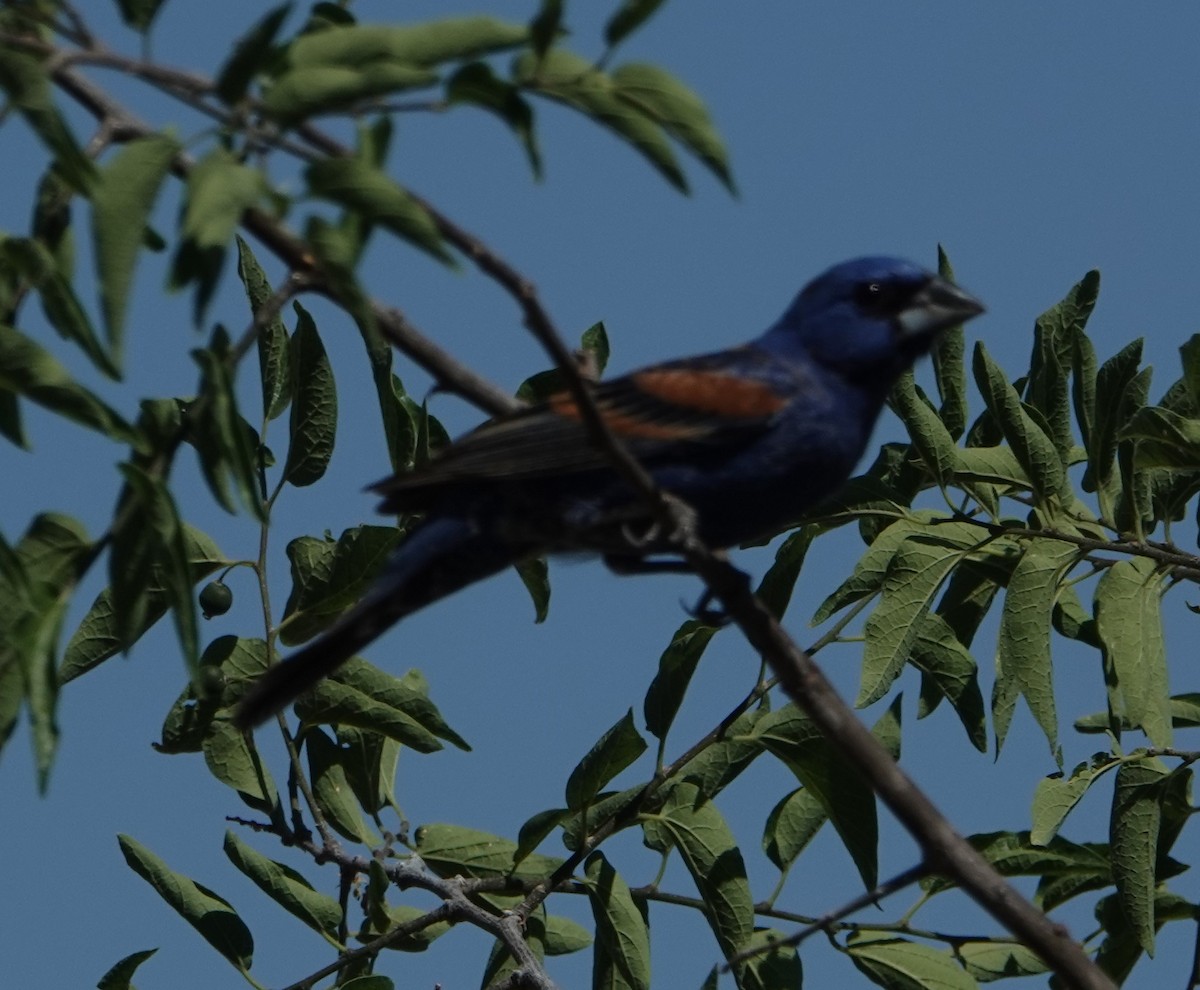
(1035, 141)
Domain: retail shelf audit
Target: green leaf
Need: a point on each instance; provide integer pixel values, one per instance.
(358, 185)
(211, 915)
(948, 666)
(775, 964)
(899, 963)
(792, 824)
(125, 193)
(1111, 409)
(714, 861)
(313, 424)
(477, 85)
(630, 16)
(362, 695)
(285, 887)
(775, 589)
(1057, 796)
(151, 537)
(234, 762)
(139, 14)
(929, 435)
(620, 927)
(307, 91)
(225, 443)
(329, 576)
(370, 760)
(219, 190)
(42, 270)
(997, 960)
(1165, 439)
(914, 575)
(274, 361)
(847, 798)
(675, 669)
(535, 575)
(25, 79)
(230, 664)
(1133, 837)
(545, 26)
(98, 637)
(120, 976)
(335, 796)
(428, 44)
(1055, 333)
(1024, 666)
(575, 82)
(30, 371)
(678, 110)
(948, 368)
(249, 55)
(1034, 449)
(722, 762)
(451, 849)
(609, 755)
(1128, 604)
(535, 830)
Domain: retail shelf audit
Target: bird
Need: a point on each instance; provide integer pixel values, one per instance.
(750, 438)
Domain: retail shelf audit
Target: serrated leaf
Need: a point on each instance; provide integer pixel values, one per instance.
(1133, 837)
(151, 537)
(914, 575)
(1057, 796)
(1024, 666)
(949, 667)
(274, 362)
(678, 110)
(313, 424)
(896, 963)
(577, 83)
(126, 190)
(1033, 448)
(211, 915)
(453, 849)
(225, 443)
(328, 576)
(932, 441)
(28, 370)
(615, 750)
(620, 927)
(847, 798)
(792, 824)
(1128, 605)
(362, 695)
(234, 762)
(286, 887)
(675, 669)
(710, 853)
(359, 186)
(335, 796)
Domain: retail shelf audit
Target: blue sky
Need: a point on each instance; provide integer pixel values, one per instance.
(1034, 141)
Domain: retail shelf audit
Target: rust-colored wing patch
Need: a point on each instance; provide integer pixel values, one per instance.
(711, 392)
(624, 423)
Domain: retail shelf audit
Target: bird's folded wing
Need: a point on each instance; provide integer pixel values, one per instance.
(659, 413)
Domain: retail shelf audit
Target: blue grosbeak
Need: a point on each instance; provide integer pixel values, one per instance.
(750, 438)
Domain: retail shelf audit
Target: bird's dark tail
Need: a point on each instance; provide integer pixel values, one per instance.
(439, 558)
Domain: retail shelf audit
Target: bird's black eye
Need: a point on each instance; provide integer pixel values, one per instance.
(881, 297)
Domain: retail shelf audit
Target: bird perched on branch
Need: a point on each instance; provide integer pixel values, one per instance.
(750, 438)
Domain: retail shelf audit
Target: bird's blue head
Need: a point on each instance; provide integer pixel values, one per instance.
(870, 318)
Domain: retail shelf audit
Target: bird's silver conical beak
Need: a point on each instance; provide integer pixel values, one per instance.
(937, 307)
